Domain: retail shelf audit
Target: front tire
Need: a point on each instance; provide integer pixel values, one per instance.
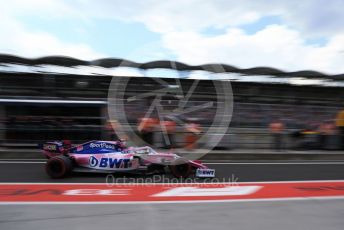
(180, 168)
(59, 166)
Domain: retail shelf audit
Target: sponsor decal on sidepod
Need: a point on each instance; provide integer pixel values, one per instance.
(102, 145)
(106, 162)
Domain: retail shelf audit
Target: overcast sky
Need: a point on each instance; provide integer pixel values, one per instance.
(291, 35)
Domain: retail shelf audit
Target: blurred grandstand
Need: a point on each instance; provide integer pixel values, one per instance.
(40, 102)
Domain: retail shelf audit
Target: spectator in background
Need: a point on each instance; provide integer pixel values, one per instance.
(168, 127)
(146, 129)
(340, 126)
(193, 131)
(110, 127)
(326, 131)
(276, 129)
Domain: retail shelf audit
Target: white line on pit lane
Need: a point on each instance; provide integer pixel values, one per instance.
(171, 202)
(206, 163)
(172, 183)
(23, 159)
(274, 163)
(22, 162)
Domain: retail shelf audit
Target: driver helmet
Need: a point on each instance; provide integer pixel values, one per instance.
(67, 144)
(122, 143)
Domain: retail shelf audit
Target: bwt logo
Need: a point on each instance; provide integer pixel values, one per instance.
(209, 172)
(205, 172)
(109, 162)
(93, 162)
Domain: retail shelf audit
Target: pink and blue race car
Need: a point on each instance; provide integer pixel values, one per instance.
(114, 156)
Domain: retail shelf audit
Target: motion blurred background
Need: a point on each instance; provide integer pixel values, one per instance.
(50, 100)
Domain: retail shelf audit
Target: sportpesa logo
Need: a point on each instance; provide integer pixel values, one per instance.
(102, 145)
(109, 162)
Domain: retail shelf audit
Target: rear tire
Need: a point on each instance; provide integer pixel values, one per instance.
(180, 168)
(59, 166)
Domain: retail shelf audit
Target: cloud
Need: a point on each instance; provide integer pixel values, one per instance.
(39, 8)
(168, 16)
(182, 25)
(276, 46)
(319, 17)
(17, 39)
(313, 18)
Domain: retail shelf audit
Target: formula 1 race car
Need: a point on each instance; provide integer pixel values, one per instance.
(114, 156)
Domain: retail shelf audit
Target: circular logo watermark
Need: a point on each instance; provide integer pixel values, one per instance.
(183, 112)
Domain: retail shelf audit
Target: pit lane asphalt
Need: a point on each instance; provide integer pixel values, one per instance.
(33, 171)
(282, 215)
